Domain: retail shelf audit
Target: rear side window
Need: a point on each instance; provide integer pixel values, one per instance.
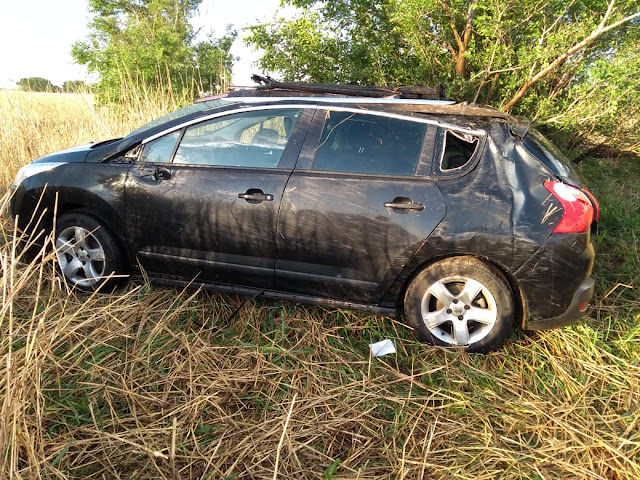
(365, 143)
(459, 149)
(549, 155)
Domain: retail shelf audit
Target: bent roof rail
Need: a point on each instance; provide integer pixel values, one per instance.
(410, 91)
(413, 98)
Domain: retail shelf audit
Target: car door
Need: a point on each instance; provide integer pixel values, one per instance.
(354, 211)
(202, 200)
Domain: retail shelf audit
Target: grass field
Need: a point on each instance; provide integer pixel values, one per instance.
(161, 383)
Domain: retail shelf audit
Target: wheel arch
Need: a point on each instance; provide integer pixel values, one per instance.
(512, 282)
(41, 206)
(104, 217)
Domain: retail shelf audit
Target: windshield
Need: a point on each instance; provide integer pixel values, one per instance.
(550, 155)
(182, 112)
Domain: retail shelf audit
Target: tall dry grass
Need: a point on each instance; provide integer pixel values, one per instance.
(35, 124)
(162, 383)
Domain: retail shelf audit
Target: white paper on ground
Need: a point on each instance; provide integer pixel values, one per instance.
(383, 347)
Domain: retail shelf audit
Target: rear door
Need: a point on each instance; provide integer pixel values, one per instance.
(358, 205)
(202, 201)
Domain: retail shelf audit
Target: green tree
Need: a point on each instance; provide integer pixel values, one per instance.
(36, 84)
(150, 43)
(337, 42)
(75, 86)
(211, 58)
(492, 50)
(530, 57)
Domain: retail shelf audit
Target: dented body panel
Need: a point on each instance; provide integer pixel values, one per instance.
(347, 245)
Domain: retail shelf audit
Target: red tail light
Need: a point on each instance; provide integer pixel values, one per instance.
(578, 210)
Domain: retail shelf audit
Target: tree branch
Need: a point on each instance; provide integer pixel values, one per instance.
(447, 12)
(597, 32)
(439, 41)
(466, 33)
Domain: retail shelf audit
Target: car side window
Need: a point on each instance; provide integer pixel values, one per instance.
(160, 149)
(366, 143)
(254, 139)
(459, 149)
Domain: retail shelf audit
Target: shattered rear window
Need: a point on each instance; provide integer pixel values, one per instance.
(459, 149)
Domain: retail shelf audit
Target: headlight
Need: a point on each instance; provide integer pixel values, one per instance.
(33, 169)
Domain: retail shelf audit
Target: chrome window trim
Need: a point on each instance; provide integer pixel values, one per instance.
(404, 117)
(205, 118)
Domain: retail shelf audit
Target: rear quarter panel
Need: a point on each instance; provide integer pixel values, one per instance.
(499, 212)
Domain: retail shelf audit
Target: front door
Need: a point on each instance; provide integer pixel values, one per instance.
(202, 202)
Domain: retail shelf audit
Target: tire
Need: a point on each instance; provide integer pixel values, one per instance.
(460, 301)
(88, 254)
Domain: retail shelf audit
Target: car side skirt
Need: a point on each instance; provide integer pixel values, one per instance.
(256, 292)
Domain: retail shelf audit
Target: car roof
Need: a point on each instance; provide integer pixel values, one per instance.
(449, 112)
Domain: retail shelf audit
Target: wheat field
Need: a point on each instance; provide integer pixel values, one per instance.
(153, 382)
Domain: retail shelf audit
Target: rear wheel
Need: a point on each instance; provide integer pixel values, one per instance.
(88, 254)
(460, 301)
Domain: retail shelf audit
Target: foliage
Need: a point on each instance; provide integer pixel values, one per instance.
(36, 84)
(525, 56)
(75, 86)
(337, 44)
(151, 43)
(601, 106)
(214, 63)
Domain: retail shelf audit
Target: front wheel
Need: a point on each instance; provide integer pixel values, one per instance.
(460, 301)
(88, 255)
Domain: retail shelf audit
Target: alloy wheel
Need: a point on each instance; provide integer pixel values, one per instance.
(459, 310)
(81, 256)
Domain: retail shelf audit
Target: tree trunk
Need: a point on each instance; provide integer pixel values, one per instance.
(460, 63)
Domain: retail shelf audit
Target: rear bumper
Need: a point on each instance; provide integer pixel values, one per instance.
(572, 314)
(555, 281)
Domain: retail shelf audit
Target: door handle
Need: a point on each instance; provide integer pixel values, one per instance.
(161, 173)
(403, 203)
(255, 195)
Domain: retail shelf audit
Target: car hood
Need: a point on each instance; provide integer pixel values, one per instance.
(71, 155)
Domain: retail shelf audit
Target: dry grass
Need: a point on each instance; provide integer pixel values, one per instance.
(162, 383)
(37, 124)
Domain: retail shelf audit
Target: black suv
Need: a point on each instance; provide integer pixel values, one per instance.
(460, 215)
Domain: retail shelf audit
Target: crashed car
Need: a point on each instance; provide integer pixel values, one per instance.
(464, 219)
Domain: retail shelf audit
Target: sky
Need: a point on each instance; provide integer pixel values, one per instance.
(36, 36)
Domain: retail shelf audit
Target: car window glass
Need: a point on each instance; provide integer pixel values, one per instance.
(359, 143)
(458, 150)
(251, 139)
(549, 154)
(160, 149)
